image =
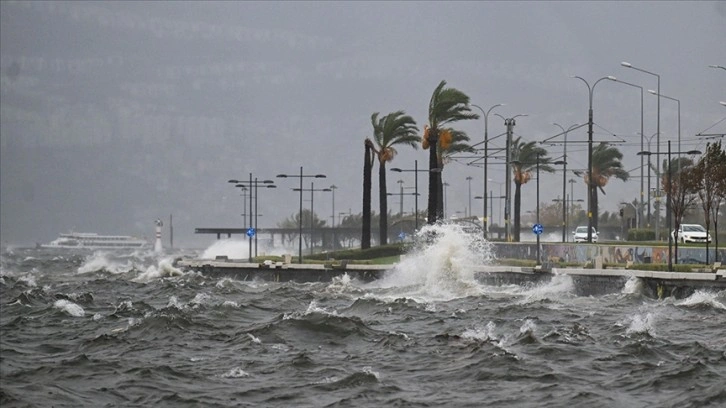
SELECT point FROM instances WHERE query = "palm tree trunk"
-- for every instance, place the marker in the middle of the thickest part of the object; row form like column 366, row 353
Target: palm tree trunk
column 365, row 241
column 383, row 201
column 517, row 210
column 433, row 179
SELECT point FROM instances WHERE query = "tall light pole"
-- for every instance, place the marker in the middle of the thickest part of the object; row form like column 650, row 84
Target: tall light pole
column 301, row 176
column 657, row 132
column 445, row 184
column 564, row 178
column 679, row 115
column 612, row 78
column 415, row 172
column 486, row 158
column 509, row 123
column 335, row 242
column 312, row 190
column 253, row 211
column 400, row 193
column 590, row 187
column 469, row 178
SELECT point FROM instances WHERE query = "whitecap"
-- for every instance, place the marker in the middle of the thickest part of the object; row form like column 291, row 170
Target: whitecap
column 702, row 298
column 642, row 324
column 69, row 307
column 163, row 269
column 236, row 373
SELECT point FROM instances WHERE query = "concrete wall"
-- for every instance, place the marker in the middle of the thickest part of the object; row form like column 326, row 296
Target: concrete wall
column 569, row 252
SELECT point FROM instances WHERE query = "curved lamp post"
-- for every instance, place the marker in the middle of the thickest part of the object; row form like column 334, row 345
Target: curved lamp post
column 657, row 132
column 486, row 158
column 590, row 188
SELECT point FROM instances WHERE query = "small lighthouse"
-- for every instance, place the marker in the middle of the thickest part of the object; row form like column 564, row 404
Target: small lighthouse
column 157, row 245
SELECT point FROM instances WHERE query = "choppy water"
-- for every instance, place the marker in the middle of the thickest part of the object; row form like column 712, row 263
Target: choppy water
column 111, row 330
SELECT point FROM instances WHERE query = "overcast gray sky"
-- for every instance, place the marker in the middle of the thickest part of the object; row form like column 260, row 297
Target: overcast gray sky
column 114, row 114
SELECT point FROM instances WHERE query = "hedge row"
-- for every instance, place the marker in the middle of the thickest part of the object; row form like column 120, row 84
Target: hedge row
column 361, row 254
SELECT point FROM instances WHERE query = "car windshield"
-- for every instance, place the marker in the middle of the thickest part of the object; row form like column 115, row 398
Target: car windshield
column 693, row 228
column 581, row 230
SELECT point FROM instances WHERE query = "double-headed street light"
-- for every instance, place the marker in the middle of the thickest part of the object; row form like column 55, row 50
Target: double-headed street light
column 668, row 198
column 312, row 189
column 301, row 176
column 486, row 158
column 249, row 185
column 590, row 187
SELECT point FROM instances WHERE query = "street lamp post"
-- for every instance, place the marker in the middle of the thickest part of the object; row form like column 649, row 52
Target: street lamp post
column 679, row 115
column 486, row 158
column 612, row 78
column 657, row 132
column 253, row 224
column 301, row 176
column 564, row 178
column 469, row 178
column 509, row 123
column 312, row 190
column 415, row 172
column 335, row 242
column 590, row 187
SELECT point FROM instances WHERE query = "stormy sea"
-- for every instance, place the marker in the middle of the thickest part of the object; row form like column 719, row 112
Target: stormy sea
column 129, row 329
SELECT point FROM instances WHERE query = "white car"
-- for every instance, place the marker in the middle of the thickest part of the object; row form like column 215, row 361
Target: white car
column 691, row 233
column 581, row 234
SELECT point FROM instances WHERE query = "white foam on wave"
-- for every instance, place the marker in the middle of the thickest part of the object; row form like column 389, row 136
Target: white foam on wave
column 69, row 307
column 701, row 298
column 633, row 286
column 312, row 308
column 236, row 373
column 154, row 272
column 101, row 261
column 641, row 324
column 440, row 268
column 555, row 289
column 240, row 249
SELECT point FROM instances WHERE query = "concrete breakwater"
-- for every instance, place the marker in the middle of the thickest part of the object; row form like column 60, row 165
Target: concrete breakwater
column 586, row 282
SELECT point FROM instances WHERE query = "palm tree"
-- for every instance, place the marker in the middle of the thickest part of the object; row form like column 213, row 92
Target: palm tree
column 451, row 143
column 605, row 164
column 525, row 157
column 447, row 105
column 365, row 240
column 396, row 128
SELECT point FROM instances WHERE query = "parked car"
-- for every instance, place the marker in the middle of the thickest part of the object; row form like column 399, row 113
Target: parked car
column 691, row 233
column 580, row 234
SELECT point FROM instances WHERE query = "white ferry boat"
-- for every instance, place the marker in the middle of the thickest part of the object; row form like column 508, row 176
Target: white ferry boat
column 89, row 240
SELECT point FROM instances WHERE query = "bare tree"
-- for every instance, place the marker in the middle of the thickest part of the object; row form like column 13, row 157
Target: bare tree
column 681, row 186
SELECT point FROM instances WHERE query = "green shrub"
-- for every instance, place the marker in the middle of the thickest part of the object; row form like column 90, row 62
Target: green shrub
column 641, row 234
column 361, row 254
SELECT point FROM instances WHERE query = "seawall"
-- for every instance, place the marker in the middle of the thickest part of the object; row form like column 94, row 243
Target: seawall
column 587, row 282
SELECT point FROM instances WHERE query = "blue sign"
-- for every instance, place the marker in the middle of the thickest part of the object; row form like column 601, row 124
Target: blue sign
column 251, row 232
column 402, row 236
column 537, row 229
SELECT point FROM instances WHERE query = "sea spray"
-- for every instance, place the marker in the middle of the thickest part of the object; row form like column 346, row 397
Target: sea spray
column 240, row 249
column 440, row 265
